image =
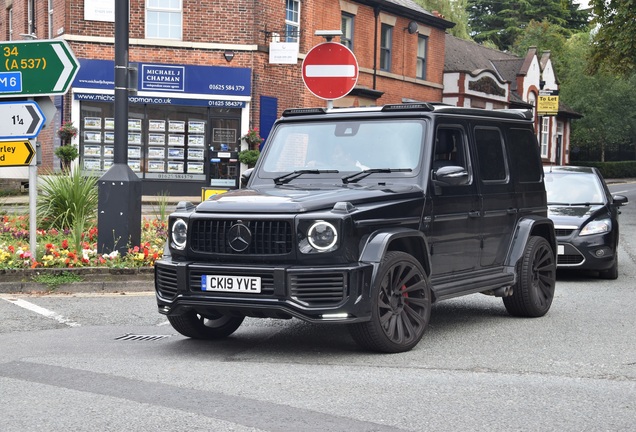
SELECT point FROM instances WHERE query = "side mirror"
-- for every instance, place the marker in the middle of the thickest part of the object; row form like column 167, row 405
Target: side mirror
column 245, row 177
column 451, row 176
column 619, row 200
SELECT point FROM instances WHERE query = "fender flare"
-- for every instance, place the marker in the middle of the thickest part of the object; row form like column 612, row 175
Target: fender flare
column 527, row 227
column 411, row 241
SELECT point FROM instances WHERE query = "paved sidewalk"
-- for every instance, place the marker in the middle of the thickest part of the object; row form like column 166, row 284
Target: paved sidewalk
column 94, row 280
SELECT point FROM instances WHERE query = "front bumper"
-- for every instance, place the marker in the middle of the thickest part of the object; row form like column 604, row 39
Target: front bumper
column 596, row 252
column 314, row 294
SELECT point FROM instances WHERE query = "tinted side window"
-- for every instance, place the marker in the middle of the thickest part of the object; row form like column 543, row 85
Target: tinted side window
column 524, row 152
column 490, row 151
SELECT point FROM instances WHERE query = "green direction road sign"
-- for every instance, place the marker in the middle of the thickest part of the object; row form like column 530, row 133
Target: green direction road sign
column 38, row 67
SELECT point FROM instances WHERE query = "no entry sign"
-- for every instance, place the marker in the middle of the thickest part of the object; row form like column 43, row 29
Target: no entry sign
column 330, row 70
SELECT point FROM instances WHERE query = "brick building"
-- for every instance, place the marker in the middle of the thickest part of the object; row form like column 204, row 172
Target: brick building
column 209, row 70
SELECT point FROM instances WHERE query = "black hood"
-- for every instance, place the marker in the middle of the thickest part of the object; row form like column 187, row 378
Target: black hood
column 304, row 198
column 574, row 215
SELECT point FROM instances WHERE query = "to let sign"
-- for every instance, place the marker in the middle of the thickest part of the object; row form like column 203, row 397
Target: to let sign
column 330, row 70
column 548, row 103
column 33, row 68
column 19, row 153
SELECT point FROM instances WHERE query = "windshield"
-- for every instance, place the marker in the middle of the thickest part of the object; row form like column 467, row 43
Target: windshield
column 573, row 188
column 338, row 148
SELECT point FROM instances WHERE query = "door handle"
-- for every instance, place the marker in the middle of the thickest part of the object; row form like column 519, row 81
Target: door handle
column 474, row 214
column 512, row 211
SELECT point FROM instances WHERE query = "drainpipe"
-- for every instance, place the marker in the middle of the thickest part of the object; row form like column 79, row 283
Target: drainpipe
column 376, row 13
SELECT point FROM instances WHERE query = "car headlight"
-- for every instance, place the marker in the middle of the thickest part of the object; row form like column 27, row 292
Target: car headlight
column 599, row 226
column 321, row 236
column 179, row 234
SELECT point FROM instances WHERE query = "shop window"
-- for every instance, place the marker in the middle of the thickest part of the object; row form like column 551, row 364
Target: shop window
column 164, row 19
column 386, row 41
column 347, row 31
column 292, row 20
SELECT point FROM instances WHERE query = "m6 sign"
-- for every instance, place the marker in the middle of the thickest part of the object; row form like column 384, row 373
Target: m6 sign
column 330, row 70
column 33, row 68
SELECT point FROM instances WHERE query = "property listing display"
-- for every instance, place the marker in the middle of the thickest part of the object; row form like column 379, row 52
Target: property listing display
column 161, row 144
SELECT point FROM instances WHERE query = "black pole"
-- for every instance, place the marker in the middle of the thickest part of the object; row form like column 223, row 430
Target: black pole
column 119, row 202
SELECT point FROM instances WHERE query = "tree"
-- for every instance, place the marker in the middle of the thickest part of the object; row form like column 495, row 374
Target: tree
column 454, row 11
column 544, row 36
column 607, row 102
column 504, row 21
column 613, row 44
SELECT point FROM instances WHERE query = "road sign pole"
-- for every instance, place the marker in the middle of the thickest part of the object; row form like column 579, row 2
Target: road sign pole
column 33, row 192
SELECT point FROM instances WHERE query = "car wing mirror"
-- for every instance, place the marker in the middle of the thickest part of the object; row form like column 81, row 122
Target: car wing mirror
column 245, row 177
column 451, row 176
column 619, row 200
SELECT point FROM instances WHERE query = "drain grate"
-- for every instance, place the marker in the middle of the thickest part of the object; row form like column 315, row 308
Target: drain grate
column 134, row 337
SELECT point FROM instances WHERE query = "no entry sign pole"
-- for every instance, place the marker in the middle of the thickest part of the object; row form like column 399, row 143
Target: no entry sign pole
column 330, row 71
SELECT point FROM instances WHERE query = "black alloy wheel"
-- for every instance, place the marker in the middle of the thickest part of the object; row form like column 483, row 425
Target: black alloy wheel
column 401, row 306
column 533, row 293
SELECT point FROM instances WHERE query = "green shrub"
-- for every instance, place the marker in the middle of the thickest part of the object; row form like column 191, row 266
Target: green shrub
column 613, row 170
column 249, row 157
column 67, row 201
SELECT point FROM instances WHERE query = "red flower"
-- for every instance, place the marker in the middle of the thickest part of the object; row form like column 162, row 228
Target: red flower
column 65, row 244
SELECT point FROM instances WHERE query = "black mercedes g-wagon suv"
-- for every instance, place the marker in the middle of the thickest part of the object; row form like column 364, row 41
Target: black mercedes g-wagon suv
column 365, row 217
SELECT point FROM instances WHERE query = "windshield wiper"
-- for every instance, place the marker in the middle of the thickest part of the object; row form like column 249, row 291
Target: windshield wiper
column 352, row 178
column 286, row 178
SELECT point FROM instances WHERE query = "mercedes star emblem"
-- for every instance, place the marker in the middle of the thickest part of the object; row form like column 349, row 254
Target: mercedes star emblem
column 239, row 237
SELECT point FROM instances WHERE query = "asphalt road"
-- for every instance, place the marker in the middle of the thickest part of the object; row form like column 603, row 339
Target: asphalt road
column 110, row 362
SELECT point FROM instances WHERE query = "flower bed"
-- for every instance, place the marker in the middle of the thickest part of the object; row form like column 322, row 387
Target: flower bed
column 54, row 250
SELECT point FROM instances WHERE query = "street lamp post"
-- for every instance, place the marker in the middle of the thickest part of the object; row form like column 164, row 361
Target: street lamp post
column 119, row 189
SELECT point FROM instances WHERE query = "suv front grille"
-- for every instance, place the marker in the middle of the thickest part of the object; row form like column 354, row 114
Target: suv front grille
column 268, row 237
column 320, row 289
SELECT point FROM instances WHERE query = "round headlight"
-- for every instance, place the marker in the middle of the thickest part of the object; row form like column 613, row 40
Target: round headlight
column 179, row 234
column 322, row 235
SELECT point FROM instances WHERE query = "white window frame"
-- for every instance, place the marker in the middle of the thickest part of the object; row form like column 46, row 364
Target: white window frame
column 290, row 24
column 154, row 9
column 545, row 136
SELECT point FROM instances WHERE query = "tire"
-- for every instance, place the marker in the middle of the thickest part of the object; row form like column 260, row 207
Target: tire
column 533, row 293
column 196, row 326
column 612, row 272
column 401, row 306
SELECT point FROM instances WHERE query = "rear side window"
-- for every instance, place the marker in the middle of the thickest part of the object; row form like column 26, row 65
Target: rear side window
column 491, row 154
column 524, row 153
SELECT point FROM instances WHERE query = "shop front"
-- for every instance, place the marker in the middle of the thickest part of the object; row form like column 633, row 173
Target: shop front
column 184, row 124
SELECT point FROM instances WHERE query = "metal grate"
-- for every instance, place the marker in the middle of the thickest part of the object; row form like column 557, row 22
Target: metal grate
column 268, row 237
column 133, row 337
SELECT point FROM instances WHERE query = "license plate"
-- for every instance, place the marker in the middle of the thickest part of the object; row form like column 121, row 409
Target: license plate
column 243, row 284
column 560, row 250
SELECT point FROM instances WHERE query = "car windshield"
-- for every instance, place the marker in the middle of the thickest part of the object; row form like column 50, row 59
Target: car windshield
column 340, row 148
column 573, row 188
